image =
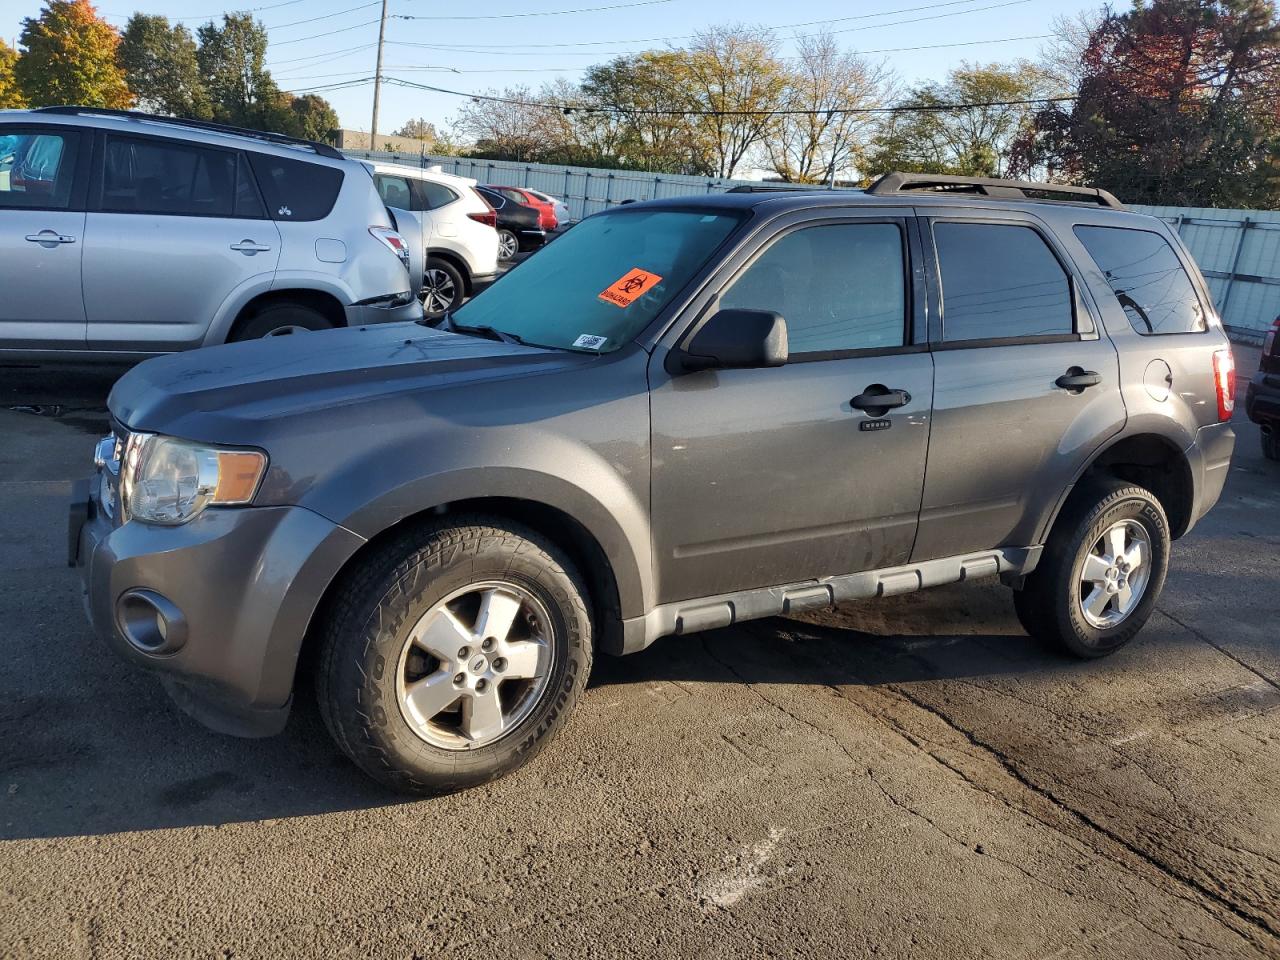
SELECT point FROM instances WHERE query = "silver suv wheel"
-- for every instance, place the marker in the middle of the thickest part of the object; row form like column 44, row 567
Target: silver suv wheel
column 475, row 665
column 1115, row 574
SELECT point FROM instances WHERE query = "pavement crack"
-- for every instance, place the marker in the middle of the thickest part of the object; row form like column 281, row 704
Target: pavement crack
column 1200, row 634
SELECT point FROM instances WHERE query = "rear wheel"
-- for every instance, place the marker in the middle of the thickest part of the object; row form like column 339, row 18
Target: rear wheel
column 1101, row 572
column 442, row 288
column 454, row 654
column 1271, row 442
column 508, row 245
column 281, row 320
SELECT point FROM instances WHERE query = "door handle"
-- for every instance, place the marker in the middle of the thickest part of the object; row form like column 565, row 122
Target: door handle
column 250, row 247
column 50, row 237
column 1077, row 379
column 877, row 400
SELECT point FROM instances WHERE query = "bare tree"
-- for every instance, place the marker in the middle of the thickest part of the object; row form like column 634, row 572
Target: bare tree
column 736, row 82
column 506, row 124
column 823, row 80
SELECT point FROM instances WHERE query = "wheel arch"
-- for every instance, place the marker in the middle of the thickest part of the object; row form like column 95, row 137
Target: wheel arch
column 322, row 301
column 455, row 260
column 1151, row 460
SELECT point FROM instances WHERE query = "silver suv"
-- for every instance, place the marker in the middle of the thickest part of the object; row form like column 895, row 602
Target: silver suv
column 681, row 415
column 128, row 233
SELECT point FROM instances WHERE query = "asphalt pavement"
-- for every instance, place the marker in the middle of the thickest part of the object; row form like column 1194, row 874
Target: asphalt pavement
column 910, row 777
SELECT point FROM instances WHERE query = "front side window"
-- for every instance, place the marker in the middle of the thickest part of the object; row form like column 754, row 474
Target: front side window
column 1147, row 277
column 143, row 175
column 603, row 282
column 1000, row 281
column 838, row 287
column 37, row 168
column 296, row 189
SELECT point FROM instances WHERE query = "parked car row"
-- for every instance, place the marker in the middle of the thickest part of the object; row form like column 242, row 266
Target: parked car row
column 133, row 234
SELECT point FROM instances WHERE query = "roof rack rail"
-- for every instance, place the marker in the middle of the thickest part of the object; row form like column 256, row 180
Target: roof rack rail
column 778, row 187
column 892, row 184
column 321, row 149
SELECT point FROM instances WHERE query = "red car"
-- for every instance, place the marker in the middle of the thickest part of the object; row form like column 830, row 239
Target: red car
column 546, row 212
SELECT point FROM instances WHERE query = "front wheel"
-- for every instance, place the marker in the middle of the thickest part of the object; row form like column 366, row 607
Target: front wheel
column 1101, row 573
column 454, row 654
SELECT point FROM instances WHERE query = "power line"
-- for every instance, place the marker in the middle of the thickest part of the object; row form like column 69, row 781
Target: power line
column 335, row 54
column 543, row 13
column 330, row 33
column 327, row 16
column 480, row 47
column 569, row 108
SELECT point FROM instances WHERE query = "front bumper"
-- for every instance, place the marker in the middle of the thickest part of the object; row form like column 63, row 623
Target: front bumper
column 1262, row 398
column 238, row 586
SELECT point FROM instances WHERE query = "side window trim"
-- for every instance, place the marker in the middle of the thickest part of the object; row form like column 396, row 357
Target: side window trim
column 98, row 185
column 915, row 296
column 1084, row 325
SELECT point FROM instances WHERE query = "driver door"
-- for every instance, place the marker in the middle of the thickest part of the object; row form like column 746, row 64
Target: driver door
column 763, row 477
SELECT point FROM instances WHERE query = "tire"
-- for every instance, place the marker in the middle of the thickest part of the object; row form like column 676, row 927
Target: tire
column 282, row 319
column 1052, row 602
column 375, row 675
column 508, row 245
column 1271, row 442
column 442, row 288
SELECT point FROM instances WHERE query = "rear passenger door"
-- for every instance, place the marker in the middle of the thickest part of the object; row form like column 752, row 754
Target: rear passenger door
column 764, row 477
column 173, row 229
column 1026, row 384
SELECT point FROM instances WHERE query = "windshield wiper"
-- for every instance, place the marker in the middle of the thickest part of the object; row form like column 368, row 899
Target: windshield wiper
column 493, row 333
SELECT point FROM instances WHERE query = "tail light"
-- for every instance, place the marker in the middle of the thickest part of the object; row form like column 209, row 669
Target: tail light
column 490, row 217
column 1224, row 381
column 393, row 242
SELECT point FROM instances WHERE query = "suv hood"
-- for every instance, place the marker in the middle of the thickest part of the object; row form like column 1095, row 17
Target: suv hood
column 218, row 394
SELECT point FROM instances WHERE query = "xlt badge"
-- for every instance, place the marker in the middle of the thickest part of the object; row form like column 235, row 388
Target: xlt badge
column 869, row 425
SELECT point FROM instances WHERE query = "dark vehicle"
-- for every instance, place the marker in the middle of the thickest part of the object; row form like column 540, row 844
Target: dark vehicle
column 682, row 415
column 519, row 225
column 546, row 209
column 1262, row 399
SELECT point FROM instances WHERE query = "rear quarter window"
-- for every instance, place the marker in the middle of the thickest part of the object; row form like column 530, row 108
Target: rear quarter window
column 296, row 190
column 1147, row 279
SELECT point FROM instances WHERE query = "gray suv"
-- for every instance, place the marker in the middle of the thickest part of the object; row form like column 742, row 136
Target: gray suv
column 126, row 233
column 682, row 415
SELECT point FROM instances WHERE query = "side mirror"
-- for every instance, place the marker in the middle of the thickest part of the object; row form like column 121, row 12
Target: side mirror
column 737, row 339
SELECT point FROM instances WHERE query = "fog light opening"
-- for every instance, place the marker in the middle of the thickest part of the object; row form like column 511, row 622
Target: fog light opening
column 151, row 623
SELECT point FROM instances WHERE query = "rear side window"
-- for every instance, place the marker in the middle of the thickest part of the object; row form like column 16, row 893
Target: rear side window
column 435, row 195
column 145, row 175
column 296, row 189
column 394, row 191
column 839, row 287
column 1000, row 281
column 37, row 168
column 1148, row 279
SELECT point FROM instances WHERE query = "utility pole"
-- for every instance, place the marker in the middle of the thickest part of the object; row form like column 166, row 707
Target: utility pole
column 377, row 79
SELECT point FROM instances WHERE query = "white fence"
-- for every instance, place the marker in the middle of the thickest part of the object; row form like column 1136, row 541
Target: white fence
column 1237, row 250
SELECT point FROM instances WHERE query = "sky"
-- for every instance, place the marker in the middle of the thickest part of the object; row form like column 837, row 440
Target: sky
column 501, row 43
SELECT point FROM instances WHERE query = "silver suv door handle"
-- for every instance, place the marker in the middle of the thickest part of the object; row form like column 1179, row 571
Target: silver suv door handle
column 250, row 247
column 50, row 237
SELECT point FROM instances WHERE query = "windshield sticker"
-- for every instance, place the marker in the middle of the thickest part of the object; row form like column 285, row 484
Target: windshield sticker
column 590, row 341
column 629, row 288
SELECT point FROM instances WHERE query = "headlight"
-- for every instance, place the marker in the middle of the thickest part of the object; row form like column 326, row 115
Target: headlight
column 170, row 481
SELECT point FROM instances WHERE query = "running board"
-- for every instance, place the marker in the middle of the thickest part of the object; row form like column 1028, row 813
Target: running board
column 709, row 613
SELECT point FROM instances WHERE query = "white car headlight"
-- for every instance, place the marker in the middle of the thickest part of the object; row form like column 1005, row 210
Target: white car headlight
column 163, row 480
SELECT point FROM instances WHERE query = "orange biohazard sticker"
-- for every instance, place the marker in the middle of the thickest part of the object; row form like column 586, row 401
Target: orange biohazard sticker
column 629, row 288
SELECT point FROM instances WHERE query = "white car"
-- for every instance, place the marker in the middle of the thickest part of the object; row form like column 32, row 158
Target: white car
column 562, row 211
column 458, row 231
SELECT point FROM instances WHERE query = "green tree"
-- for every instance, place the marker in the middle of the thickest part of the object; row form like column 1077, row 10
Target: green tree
column 10, row 95
column 69, row 57
column 231, row 60
column 978, row 140
column 310, row 116
column 159, row 63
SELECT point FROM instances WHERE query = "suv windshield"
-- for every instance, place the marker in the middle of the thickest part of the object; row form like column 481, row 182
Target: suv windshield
column 601, row 283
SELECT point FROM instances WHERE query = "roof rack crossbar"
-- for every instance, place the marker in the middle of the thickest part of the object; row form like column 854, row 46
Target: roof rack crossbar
column 778, row 187
column 321, row 149
column 892, row 184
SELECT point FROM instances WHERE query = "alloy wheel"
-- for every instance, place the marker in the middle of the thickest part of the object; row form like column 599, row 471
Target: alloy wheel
column 1115, row 574
column 475, row 665
column 508, row 245
column 438, row 291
